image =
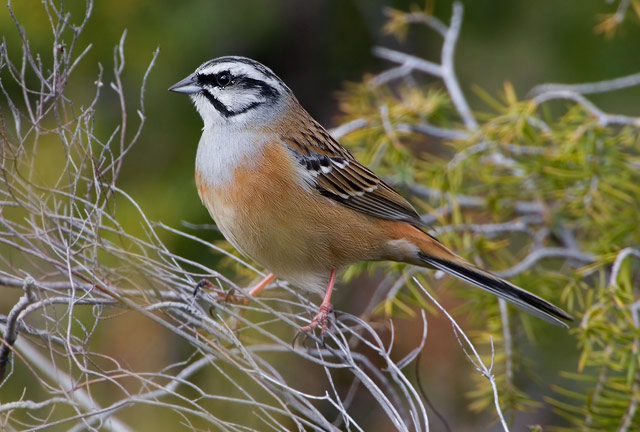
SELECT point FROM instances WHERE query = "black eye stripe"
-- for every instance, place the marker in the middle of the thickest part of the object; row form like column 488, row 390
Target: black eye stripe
column 221, row 79
column 206, row 79
column 259, row 67
column 225, row 79
column 266, row 90
column 214, row 80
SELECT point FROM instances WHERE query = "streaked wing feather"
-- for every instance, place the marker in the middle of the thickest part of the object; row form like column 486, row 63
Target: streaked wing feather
column 339, row 176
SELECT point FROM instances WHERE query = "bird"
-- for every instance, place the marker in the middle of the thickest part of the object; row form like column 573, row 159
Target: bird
column 287, row 195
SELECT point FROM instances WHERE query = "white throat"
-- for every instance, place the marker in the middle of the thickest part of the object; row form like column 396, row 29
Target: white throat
column 223, row 149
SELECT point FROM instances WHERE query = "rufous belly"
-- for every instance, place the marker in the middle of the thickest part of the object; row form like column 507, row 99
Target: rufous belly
column 269, row 214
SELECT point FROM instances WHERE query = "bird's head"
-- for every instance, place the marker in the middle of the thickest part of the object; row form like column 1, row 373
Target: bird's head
column 235, row 90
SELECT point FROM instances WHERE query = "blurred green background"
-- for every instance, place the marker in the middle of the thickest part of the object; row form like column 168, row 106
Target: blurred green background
column 314, row 46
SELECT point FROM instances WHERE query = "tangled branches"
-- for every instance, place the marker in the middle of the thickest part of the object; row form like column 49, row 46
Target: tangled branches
column 73, row 265
column 76, row 264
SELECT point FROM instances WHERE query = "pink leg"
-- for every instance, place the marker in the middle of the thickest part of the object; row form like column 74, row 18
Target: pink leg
column 261, row 285
column 325, row 308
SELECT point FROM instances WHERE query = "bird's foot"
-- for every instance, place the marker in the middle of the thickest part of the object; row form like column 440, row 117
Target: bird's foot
column 221, row 296
column 319, row 320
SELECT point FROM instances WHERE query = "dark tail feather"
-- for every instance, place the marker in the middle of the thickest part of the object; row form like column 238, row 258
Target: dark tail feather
column 501, row 288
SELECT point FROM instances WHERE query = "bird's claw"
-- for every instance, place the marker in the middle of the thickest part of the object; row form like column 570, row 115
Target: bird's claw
column 221, row 296
column 321, row 320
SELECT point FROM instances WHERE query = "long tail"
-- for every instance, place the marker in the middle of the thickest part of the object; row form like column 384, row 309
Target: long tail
column 434, row 254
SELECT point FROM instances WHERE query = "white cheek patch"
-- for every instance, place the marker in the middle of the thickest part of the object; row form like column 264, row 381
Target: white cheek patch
column 236, row 101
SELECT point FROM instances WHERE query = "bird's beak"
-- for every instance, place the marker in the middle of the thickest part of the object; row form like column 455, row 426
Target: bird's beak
column 187, row 85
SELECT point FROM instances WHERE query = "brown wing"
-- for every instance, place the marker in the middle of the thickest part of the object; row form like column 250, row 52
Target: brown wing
column 337, row 175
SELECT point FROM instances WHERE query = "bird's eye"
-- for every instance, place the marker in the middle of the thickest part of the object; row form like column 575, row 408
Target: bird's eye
column 224, row 79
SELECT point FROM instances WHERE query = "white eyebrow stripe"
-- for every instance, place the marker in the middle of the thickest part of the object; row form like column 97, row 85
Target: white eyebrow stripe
column 239, row 67
column 234, row 68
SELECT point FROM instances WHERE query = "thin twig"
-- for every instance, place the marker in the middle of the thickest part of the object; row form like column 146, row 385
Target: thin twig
column 13, row 324
column 603, row 118
column 476, row 360
column 589, row 88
